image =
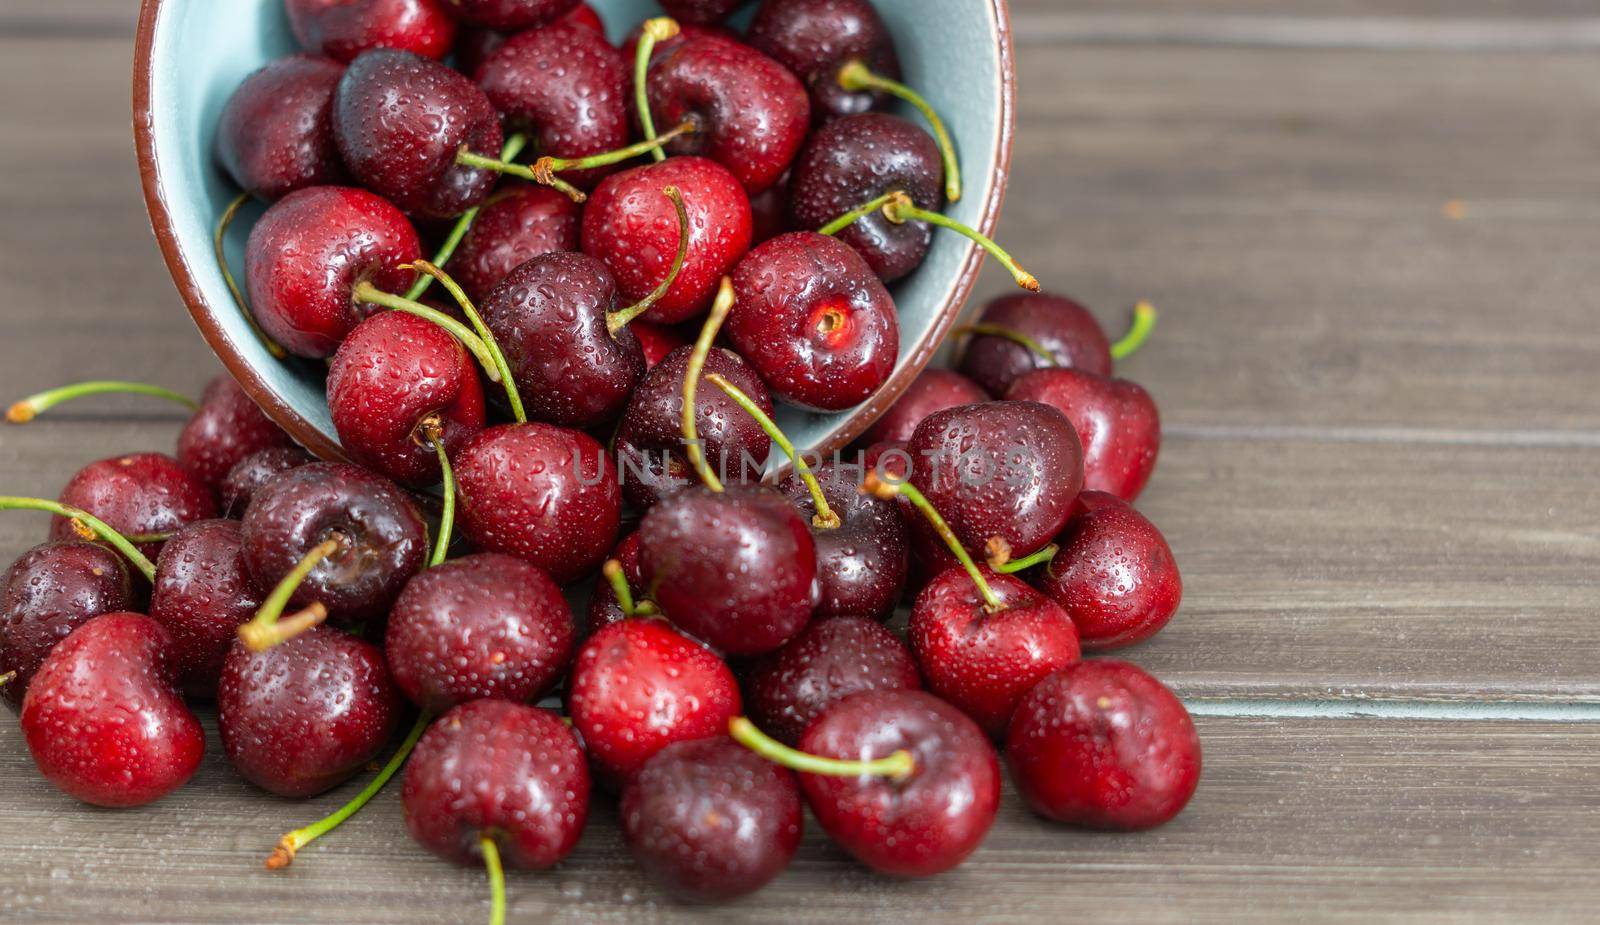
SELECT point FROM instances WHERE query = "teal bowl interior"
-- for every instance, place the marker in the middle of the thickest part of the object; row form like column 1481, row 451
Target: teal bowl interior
column 191, row 54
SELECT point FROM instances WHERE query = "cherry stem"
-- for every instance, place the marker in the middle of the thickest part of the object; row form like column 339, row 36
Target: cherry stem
column 83, row 521
column 544, row 170
column 31, row 407
column 825, row 518
column 513, row 396
column 283, row 855
column 433, row 434
column 901, row 209
column 217, row 239
column 691, row 382
column 1000, row 560
column 897, row 766
column 862, row 211
column 1016, row 337
column 1144, row 321
column 513, row 147
column 617, row 320
column 874, row 484
column 612, row 571
column 266, row 630
column 856, row 77
column 653, row 31
column 7, row 678
column 497, row 879
column 372, row 295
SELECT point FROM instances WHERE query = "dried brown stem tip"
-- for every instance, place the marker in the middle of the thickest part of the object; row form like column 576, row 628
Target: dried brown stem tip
column 998, row 552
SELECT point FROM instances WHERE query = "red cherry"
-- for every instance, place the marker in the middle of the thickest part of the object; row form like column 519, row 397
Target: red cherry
column 476, row 43
column 831, row 659
column 141, row 494
column 514, row 226
column 202, row 594
column 1104, row 745
column 275, row 134
column 103, row 717
column 816, row 38
column 228, row 427
column 1054, row 324
column 1116, row 419
column 53, row 589
column 686, row 31
column 604, row 608
column 700, row 11
column 343, row 29
column 250, row 473
column 933, row 390
column 656, row 341
column 513, row 15
column 863, row 560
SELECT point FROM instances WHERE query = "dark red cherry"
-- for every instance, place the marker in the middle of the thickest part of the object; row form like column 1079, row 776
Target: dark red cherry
column 634, row 229
column 475, row 43
column 400, row 120
column 141, row 494
column 686, row 32
column 250, row 473
column 1105, row 746
column 103, row 717
column 814, row 321
column 544, row 494
column 306, row 254
column 638, row 686
column 816, row 38
column 710, row 820
column 657, row 341
column 749, row 113
column 380, row 538
column 861, row 563
column 831, row 659
column 1116, row 419
column 53, row 589
column 736, row 568
column 920, row 826
column 228, row 427
column 482, row 626
column 769, row 212
column 514, row 226
column 512, row 15
column 343, row 29
column 933, row 390
column 1059, row 327
column 202, row 595
column 604, row 609
column 275, row 134
column 1114, row 574
column 700, row 11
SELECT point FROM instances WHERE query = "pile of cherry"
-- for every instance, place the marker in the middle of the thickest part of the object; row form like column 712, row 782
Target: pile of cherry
column 734, row 661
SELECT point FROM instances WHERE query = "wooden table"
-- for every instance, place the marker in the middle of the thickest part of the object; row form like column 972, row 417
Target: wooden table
column 1372, row 227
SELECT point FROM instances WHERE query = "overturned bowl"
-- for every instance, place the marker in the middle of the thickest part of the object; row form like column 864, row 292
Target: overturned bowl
column 191, row 54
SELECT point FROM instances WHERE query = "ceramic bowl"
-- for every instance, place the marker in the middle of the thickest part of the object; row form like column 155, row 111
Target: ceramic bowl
column 191, row 54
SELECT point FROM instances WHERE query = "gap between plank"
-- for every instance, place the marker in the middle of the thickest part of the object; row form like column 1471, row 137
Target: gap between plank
column 1552, row 439
column 1376, row 33
column 1395, row 709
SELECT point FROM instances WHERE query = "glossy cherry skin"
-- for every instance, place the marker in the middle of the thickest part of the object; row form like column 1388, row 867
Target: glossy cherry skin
column 549, row 317
column 567, row 87
column 202, row 594
column 817, row 38
column 603, row 606
column 514, row 226
column 544, row 494
column 982, row 662
column 737, row 568
column 250, row 473
column 933, row 390
column 1116, row 419
column 306, row 255
column 831, row 659
column 228, row 427
column 1105, row 746
column 750, row 114
column 649, row 441
column 638, row 686
column 710, row 820
column 918, row 827
column 343, row 29
column 1061, row 326
column 482, row 626
column 657, row 341
column 382, row 538
column 53, row 589
column 506, row 770
column 1114, row 574
column 862, row 563
column 512, row 15
column 854, row 160
column 475, row 43
column 103, row 717
column 700, row 11
column 631, row 226
column 687, row 31
column 136, row 495
column 400, row 121
column 275, row 134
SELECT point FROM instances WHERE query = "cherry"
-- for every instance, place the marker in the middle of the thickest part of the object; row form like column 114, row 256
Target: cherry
column 476, row 43
column 749, row 113
column 103, row 718
column 514, row 226
column 634, row 229
column 1104, row 745
column 513, row 15
column 307, row 255
column 227, row 427
column 933, row 390
column 482, row 626
column 1018, row 333
column 831, row 659
column 541, row 493
column 53, row 589
column 817, row 38
column 605, row 607
column 250, row 473
column 202, row 594
column 710, row 820
column 814, row 321
column 361, row 533
column 862, row 562
column 343, row 29
column 138, row 495
column 1115, row 575
column 302, row 716
column 275, row 134
column 1116, row 419
column 638, row 686
column 656, row 341
column 769, row 212
column 665, row 37
column 400, row 120
column 701, row 11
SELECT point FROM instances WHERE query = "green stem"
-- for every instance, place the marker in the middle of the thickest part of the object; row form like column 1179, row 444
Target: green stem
column 901, row 209
column 283, row 855
column 31, row 407
column 886, row 488
column 897, row 766
column 372, row 295
column 825, row 518
column 265, row 630
column 655, row 30
column 612, row 571
column 434, row 434
column 654, row 145
column 513, row 147
column 217, row 239
column 1016, row 337
column 862, row 211
column 513, row 396
column 7, row 678
column 1144, row 321
column 497, row 879
column 617, row 320
column 99, row 527
column 1011, row 566
column 499, row 165
column 691, row 381
column 858, row 78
